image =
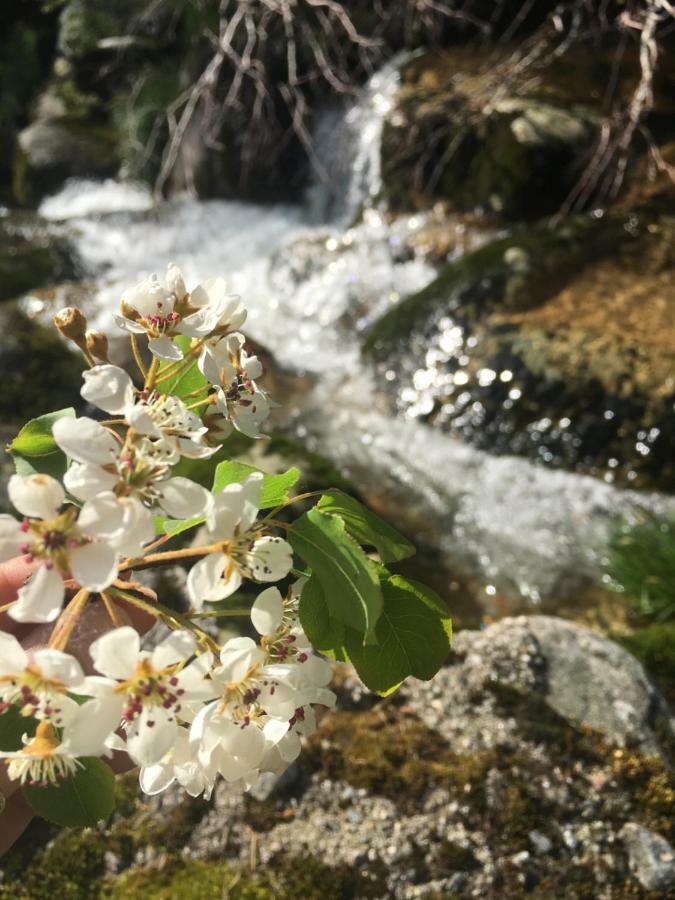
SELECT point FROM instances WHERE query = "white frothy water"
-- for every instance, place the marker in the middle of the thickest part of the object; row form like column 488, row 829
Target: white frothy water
column 310, row 284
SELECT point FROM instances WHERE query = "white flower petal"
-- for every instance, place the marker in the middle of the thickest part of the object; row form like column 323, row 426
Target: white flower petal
column 274, row 730
column 108, row 387
column 39, row 600
column 181, row 498
column 94, row 565
column 267, row 611
column 86, row 481
column 115, row 653
column 122, row 521
column 39, row 496
column 164, row 348
column 87, row 733
column 59, row 666
column 157, row 778
column 13, row 658
column 205, row 581
column 175, row 281
column 139, row 419
column 174, row 648
column 151, row 736
column 271, row 559
column 149, row 298
column 102, row 517
column 128, row 324
column 237, row 658
column 85, row 440
column 251, row 488
column 225, row 510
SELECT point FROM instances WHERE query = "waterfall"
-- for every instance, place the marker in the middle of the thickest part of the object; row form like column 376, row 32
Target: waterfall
column 347, row 148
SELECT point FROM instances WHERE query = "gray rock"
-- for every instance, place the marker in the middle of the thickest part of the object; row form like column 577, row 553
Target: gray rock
column 540, row 842
column 650, row 857
column 55, row 149
column 583, row 676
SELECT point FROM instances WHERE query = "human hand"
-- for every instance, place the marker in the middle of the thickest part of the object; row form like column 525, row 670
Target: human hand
column 15, row 815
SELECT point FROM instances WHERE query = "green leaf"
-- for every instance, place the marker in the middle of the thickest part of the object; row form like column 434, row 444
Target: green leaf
column 185, row 381
column 35, row 438
column 81, row 801
column 323, row 631
column 347, row 577
column 35, row 450
column 413, row 637
column 367, row 528
column 13, row 726
column 274, row 492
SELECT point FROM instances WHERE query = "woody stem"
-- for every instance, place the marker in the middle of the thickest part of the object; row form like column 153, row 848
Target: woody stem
column 137, row 356
column 67, row 621
column 170, row 617
column 168, row 556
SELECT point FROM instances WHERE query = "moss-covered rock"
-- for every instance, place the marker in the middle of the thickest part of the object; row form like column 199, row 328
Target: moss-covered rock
column 31, row 255
column 51, row 150
column 556, row 344
column 466, row 143
column 472, row 128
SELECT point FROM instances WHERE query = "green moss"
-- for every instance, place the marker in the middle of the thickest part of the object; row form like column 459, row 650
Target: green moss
column 396, row 756
column 284, row 878
column 642, row 566
column 68, row 868
column 654, row 646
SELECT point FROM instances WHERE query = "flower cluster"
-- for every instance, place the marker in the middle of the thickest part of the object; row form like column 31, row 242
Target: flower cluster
column 186, row 710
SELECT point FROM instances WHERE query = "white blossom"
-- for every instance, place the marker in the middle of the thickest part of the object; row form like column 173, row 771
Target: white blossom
column 49, row 757
column 37, row 683
column 246, row 551
column 162, row 313
column 153, row 689
column 63, row 542
column 240, row 402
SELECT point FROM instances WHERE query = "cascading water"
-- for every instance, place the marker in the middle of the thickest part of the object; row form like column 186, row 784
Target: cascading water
column 311, row 282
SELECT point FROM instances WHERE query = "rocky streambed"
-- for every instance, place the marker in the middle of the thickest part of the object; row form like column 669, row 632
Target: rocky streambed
column 535, row 764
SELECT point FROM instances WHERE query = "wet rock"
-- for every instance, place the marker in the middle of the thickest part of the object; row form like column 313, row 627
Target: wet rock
column 52, row 150
column 553, row 344
column 32, row 254
column 650, row 857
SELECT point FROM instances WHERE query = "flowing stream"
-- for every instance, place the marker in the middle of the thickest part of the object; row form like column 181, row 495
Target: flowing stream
column 311, row 283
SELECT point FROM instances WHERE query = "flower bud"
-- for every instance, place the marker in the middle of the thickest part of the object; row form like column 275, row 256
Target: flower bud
column 175, row 282
column 72, row 324
column 97, row 345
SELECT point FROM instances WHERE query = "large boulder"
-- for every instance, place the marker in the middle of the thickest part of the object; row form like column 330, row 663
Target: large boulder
column 556, row 344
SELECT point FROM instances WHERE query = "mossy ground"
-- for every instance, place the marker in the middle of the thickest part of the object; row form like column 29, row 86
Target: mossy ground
column 539, row 783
